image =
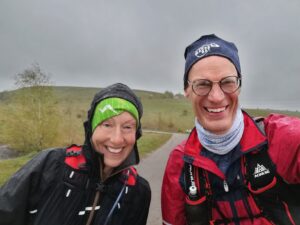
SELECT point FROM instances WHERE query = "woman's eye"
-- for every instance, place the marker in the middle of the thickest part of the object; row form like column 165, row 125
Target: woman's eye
column 129, row 127
column 106, row 124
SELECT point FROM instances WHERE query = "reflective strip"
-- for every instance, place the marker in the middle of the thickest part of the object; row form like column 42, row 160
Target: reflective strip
column 90, row 208
column 119, row 206
column 81, row 213
column 166, row 223
column 226, row 187
column 68, row 193
column 126, row 190
column 71, row 174
column 33, row 211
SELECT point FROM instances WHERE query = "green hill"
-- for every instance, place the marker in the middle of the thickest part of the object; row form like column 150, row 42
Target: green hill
column 162, row 111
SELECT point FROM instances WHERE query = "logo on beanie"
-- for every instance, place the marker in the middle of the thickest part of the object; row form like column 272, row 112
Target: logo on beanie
column 205, row 49
column 107, row 107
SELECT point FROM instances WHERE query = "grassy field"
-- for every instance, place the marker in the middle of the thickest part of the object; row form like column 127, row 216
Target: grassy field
column 10, row 166
column 146, row 144
column 161, row 112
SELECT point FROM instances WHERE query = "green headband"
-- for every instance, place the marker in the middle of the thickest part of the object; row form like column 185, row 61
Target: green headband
column 111, row 107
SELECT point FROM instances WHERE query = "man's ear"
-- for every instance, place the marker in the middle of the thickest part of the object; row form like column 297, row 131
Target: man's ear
column 187, row 92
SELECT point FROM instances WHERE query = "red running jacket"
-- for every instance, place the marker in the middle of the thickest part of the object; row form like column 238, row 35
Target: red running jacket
column 282, row 133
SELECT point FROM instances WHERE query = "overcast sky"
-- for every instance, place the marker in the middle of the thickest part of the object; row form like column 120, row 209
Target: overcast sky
column 141, row 42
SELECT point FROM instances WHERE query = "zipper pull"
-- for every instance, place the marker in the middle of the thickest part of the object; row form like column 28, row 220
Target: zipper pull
column 226, row 187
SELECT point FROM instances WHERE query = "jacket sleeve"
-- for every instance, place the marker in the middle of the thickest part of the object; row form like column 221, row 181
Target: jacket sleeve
column 283, row 133
column 19, row 195
column 172, row 194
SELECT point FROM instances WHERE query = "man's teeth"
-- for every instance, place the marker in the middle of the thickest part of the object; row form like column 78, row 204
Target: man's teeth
column 114, row 150
column 216, row 110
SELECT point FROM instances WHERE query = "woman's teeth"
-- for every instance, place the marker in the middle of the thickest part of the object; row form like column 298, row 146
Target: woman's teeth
column 114, row 150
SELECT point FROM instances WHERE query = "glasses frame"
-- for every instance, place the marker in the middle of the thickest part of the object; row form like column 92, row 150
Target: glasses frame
column 192, row 83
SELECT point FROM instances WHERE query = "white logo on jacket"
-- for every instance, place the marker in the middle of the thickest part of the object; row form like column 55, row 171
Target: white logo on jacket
column 260, row 170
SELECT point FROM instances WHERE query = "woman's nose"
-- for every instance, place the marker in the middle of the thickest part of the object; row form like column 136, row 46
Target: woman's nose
column 117, row 136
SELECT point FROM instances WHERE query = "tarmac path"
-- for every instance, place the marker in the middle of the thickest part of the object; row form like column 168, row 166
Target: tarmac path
column 6, row 153
column 152, row 168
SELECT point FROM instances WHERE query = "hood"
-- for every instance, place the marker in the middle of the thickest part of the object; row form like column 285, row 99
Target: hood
column 116, row 90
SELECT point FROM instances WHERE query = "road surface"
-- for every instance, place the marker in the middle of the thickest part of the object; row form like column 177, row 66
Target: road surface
column 6, row 153
column 152, row 168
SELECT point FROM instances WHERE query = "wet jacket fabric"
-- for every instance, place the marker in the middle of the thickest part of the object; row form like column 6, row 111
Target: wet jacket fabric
column 232, row 199
column 48, row 191
column 64, row 186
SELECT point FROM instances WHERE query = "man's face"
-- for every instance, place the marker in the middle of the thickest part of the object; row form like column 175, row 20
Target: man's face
column 216, row 110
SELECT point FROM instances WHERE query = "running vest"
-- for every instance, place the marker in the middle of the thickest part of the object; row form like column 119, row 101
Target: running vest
column 270, row 193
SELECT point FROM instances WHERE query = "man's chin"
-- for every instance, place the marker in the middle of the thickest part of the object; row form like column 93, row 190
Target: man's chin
column 217, row 127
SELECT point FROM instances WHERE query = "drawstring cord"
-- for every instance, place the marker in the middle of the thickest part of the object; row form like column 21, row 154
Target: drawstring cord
column 93, row 208
column 117, row 200
column 89, row 221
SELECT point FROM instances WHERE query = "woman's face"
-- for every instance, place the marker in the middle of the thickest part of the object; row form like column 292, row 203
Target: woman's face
column 115, row 138
column 216, row 110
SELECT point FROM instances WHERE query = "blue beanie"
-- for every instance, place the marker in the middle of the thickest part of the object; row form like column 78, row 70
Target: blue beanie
column 209, row 45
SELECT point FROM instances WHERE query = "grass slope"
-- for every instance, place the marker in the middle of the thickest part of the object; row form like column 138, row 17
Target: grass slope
column 161, row 112
column 146, row 144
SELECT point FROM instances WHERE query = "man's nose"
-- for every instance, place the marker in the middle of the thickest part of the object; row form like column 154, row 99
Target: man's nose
column 216, row 93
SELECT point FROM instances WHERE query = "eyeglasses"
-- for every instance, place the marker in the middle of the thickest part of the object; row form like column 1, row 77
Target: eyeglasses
column 228, row 85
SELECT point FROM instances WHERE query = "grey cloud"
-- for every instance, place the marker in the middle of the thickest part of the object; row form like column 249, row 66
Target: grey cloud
column 94, row 43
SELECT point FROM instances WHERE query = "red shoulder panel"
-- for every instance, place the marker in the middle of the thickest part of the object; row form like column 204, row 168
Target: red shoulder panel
column 74, row 157
column 131, row 176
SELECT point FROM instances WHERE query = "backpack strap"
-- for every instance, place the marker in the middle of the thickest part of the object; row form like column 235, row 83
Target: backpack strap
column 130, row 176
column 74, row 157
column 196, row 202
column 260, row 171
column 259, row 121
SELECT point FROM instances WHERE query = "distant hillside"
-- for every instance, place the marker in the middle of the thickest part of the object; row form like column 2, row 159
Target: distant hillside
column 162, row 111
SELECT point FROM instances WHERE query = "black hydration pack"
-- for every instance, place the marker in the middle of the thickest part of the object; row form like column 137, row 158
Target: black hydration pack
column 271, row 193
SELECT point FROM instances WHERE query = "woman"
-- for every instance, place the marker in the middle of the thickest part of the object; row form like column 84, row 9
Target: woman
column 91, row 184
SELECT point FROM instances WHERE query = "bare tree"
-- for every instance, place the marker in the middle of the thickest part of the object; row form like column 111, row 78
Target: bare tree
column 32, row 77
column 33, row 119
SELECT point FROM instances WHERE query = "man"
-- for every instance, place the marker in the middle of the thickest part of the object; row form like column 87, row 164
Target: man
column 232, row 169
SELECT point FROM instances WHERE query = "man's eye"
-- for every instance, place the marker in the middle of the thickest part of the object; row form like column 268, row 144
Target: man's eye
column 202, row 84
column 228, row 82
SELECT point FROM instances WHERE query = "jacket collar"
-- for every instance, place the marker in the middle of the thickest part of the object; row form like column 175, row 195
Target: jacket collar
column 252, row 139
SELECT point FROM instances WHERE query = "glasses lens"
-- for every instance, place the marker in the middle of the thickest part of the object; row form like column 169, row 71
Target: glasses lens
column 202, row 87
column 230, row 84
